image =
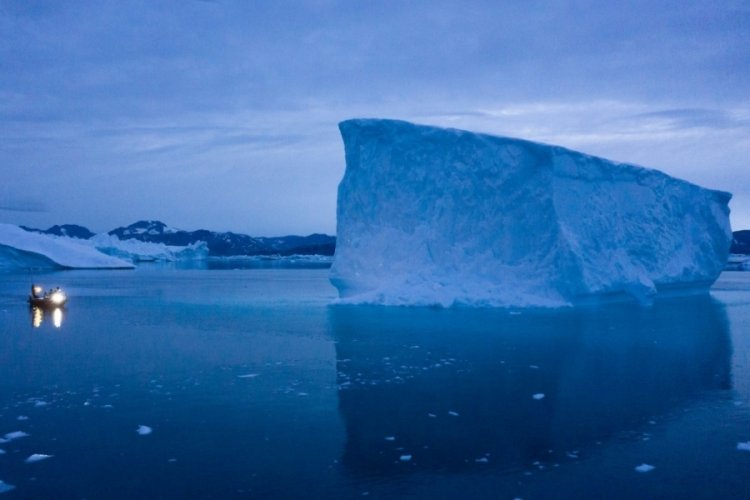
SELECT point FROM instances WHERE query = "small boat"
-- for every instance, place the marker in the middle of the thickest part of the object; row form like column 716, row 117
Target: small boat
column 47, row 300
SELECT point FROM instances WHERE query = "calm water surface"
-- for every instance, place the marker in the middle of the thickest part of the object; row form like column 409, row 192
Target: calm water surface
column 254, row 386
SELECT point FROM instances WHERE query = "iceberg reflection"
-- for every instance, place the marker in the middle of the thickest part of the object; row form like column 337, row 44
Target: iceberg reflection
column 459, row 389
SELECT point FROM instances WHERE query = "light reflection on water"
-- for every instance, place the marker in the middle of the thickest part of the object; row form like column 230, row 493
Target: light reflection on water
column 54, row 314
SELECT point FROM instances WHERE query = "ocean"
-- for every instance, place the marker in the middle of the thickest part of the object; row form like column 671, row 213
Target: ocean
column 252, row 383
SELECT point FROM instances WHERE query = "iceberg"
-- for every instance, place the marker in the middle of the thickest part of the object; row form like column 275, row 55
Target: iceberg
column 21, row 249
column 431, row 216
column 137, row 251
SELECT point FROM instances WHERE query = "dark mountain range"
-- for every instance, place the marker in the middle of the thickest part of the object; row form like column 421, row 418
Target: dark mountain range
column 233, row 244
column 224, row 244
column 741, row 242
column 69, row 230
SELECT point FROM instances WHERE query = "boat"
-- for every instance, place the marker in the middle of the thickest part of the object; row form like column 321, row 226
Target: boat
column 47, row 300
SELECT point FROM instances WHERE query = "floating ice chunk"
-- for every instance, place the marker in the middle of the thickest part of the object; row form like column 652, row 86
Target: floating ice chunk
column 144, row 430
column 5, row 487
column 37, row 457
column 744, row 446
column 390, row 438
column 248, row 375
column 430, row 216
column 405, row 458
column 22, row 417
column 482, row 460
column 538, row 396
column 453, row 413
column 645, row 468
column 432, row 415
column 15, row 435
column 2, row 452
column 40, row 403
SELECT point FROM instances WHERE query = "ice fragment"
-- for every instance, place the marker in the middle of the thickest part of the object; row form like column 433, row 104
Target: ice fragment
column 144, row 430
column 37, row 457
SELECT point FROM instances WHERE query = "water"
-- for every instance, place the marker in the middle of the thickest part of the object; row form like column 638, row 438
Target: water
column 253, row 386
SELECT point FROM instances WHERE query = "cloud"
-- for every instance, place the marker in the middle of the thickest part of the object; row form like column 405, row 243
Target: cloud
column 677, row 119
column 103, row 98
column 24, row 206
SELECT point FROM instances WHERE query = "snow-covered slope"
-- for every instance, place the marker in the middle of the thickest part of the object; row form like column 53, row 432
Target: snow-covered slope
column 21, row 249
column 441, row 216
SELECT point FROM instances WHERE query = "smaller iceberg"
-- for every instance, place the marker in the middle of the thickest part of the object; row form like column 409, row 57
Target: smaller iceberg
column 21, row 249
column 137, row 251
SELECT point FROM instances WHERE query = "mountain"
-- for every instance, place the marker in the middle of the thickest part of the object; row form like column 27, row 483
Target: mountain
column 224, row 244
column 69, row 230
column 741, row 242
column 227, row 243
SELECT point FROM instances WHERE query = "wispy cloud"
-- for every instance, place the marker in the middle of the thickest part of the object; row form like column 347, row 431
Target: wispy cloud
column 24, row 206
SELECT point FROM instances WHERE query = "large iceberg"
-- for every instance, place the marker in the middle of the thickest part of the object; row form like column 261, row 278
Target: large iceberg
column 21, row 249
column 431, row 216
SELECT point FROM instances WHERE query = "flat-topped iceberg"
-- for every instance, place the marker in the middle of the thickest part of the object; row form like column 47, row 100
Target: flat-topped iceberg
column 430, row 216
column 21, row 249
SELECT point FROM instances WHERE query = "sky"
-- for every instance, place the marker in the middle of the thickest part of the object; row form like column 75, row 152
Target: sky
column 223, row 114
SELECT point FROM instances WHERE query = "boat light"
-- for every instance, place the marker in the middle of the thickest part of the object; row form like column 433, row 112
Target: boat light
column 57, row 298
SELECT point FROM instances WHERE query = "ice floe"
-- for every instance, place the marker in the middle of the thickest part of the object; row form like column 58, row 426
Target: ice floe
column 144, row 430
column 5, row 487
column 645, row 468
column 538, row 396
column 744, row 446
column 14, row 435
column 37, row 457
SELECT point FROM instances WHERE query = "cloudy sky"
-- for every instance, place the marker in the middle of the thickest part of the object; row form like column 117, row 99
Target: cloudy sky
column 223, row 114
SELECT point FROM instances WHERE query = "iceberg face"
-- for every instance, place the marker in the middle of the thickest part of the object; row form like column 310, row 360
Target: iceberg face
column 430, row 216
